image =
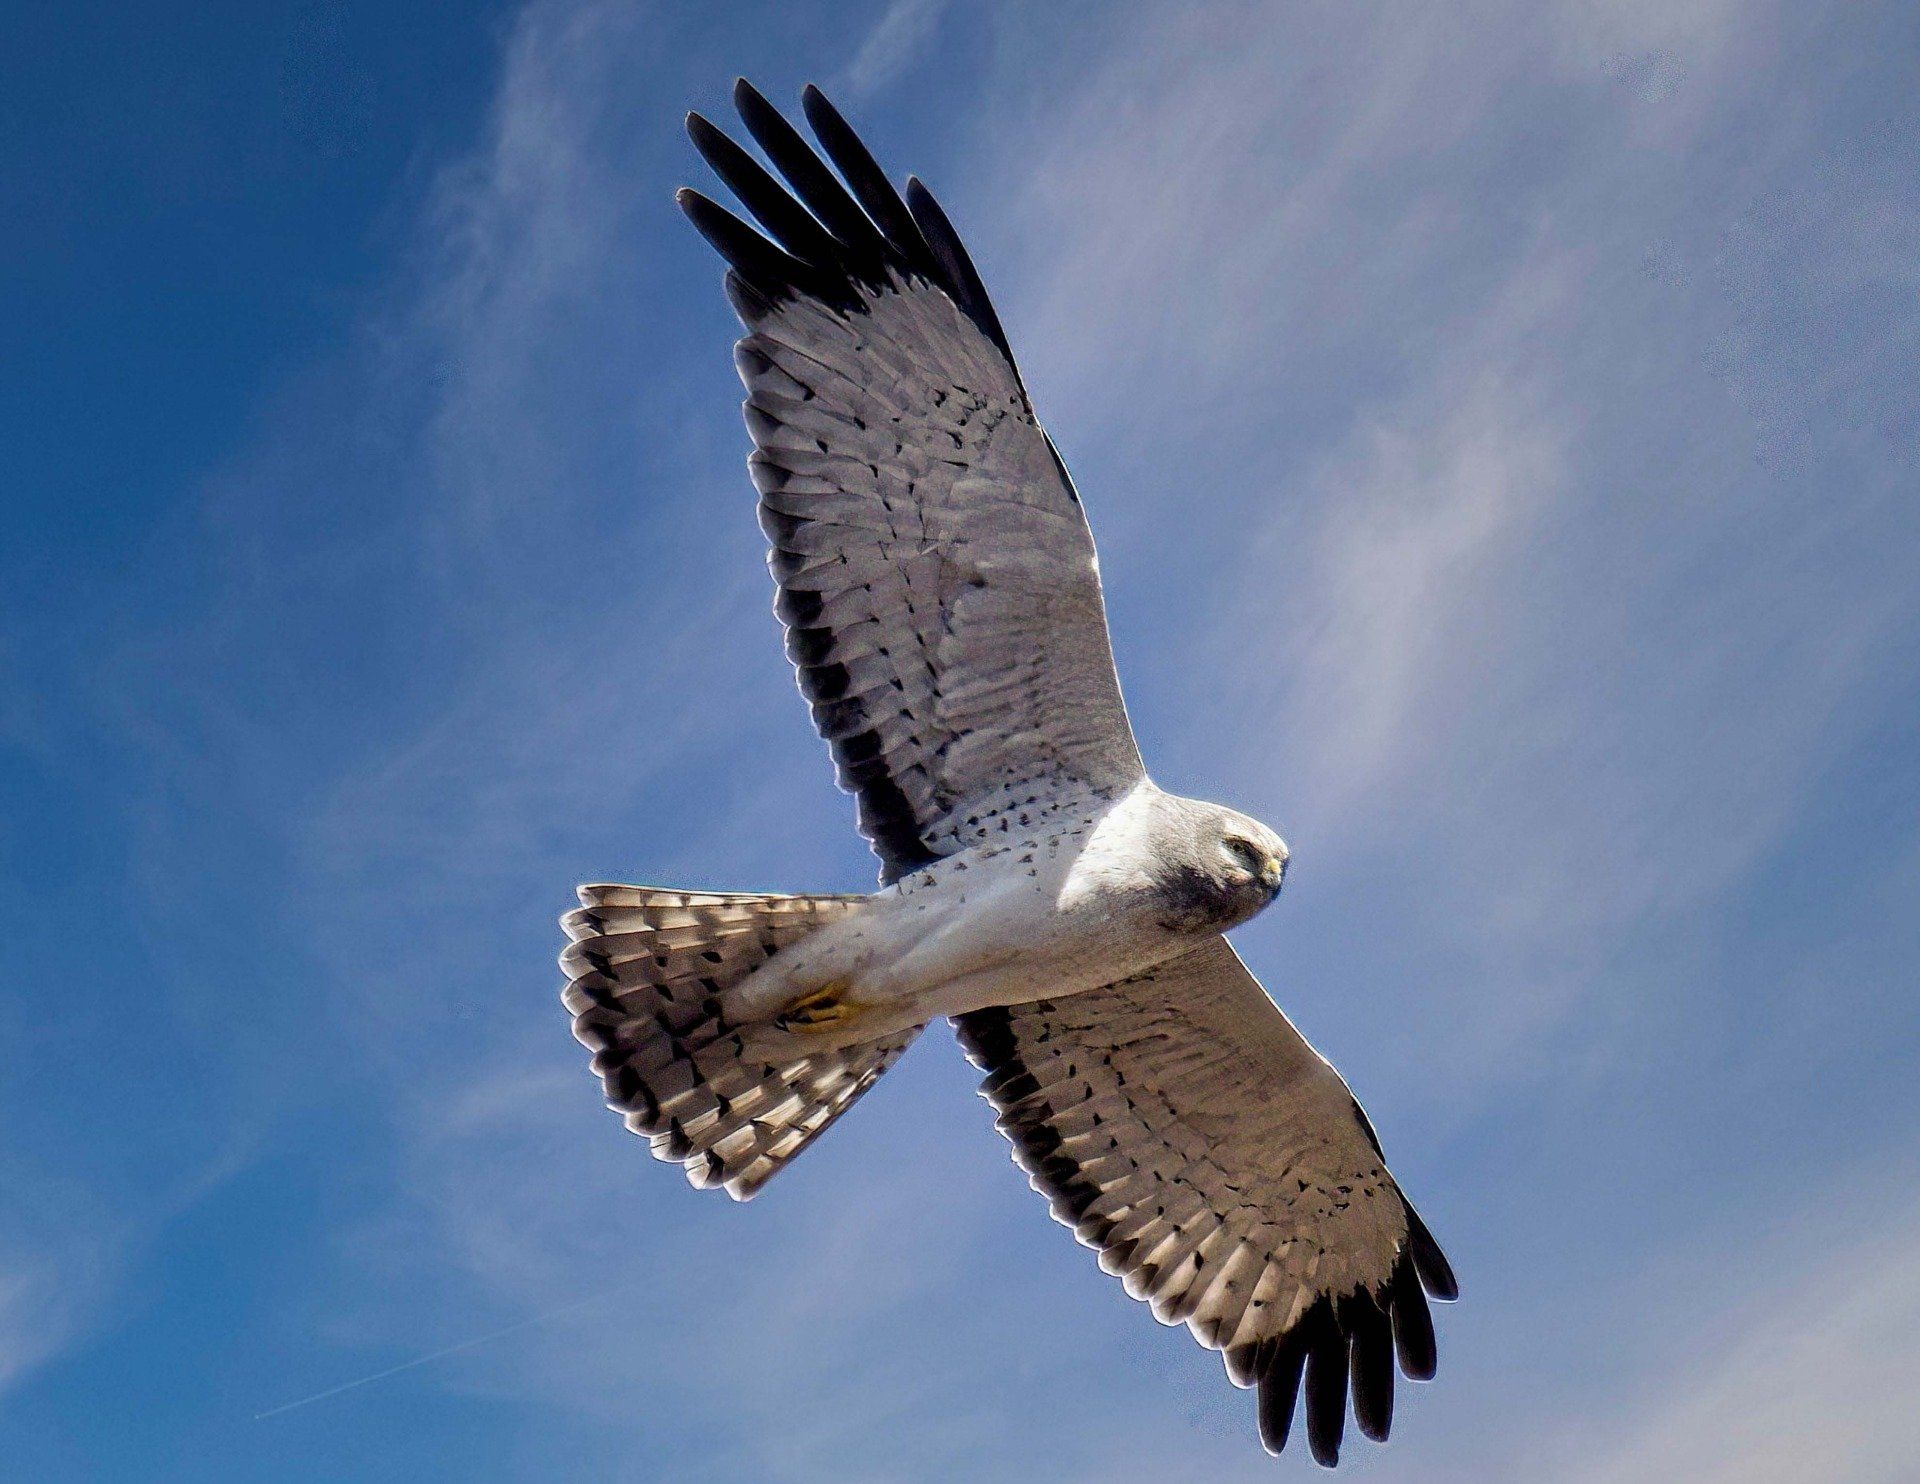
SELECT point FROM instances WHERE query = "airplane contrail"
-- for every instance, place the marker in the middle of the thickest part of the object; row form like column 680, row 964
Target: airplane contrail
column 432, row 1355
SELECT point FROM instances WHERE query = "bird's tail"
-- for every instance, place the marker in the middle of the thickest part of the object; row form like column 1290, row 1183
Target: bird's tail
column 648, row 975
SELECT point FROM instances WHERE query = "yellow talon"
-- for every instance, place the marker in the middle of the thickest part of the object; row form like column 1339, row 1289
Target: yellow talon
column 817, row 1010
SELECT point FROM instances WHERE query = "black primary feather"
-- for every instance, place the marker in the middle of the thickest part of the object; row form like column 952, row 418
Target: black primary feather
column 869, row 182
column 785, row 219
column 1371, row 1365
column 1436, row 1274
column 1326, row 1384
column 1284, row 1358
column 763, row 266
column 1412, row 1323
column 848, row 229
column 864, row 250
column 950, row 253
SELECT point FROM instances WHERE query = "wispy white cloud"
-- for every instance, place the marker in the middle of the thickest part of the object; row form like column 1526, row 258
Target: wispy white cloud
column 1671, row 63
column 1411, row 389
column 794, row 1309
column 905, row 30
column 1807, row 1383
column 622, row 725
column 53, row 1286
column 1425, row 507
column 1400, row 369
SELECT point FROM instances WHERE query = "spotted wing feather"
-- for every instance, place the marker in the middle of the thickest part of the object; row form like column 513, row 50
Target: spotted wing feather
column 1182, row 1126
column 935, row 572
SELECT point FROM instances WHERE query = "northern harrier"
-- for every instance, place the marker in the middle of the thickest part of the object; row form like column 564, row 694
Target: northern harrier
column 937, row 582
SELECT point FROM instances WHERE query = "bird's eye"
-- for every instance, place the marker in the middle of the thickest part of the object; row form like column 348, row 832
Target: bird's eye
column 1245, row 852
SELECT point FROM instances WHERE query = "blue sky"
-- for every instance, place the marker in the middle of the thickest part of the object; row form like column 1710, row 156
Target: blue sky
column 1499, row 425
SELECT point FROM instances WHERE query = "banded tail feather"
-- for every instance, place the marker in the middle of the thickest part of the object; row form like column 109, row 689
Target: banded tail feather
column 649, row 972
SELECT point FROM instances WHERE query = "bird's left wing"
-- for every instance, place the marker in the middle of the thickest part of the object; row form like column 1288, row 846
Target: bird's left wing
column 1182, row 1126
column 937, row 577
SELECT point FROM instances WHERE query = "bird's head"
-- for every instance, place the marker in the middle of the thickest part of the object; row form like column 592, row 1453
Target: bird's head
column 1218, row 868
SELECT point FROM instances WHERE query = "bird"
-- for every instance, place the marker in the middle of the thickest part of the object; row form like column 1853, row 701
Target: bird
column 937, row 582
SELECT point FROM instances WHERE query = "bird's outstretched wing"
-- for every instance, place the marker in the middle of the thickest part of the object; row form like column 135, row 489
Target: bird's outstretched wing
column 1182, row 1126
column 936, row 575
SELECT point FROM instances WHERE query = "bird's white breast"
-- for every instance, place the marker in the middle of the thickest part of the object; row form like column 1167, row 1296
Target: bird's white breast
column 1037, row 913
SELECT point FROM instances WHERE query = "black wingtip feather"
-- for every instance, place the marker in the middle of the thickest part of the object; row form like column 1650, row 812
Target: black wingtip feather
column 846, row 229
column 1436, row 1273
column 1412, row 1323
column 863, row 249
column 1281, row 1364
column 783, row 218
column 1326, row 1384
column 748, row 302
column 1371, row 1366
column 951, row 254
column 868, row 181
column 764, row 267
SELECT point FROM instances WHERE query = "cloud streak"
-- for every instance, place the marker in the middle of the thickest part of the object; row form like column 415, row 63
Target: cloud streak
column 1803, row 1386
column 1510, row 589
column 1441, row 501
column 1485, row 417
column 903, row 33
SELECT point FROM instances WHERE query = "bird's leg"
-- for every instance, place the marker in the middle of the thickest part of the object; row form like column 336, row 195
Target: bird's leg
column 819, row 1009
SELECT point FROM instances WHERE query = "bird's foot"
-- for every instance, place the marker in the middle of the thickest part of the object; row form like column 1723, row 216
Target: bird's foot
column 818, row 1010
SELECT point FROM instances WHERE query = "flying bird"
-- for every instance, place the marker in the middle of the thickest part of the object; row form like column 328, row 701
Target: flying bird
column 936, row 578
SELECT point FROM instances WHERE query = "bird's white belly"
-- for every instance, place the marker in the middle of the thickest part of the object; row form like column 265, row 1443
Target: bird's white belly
column 1001, row 937
column 1002, row 923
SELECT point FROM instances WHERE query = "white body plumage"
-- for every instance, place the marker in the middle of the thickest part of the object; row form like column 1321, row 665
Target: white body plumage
column 1062, row 896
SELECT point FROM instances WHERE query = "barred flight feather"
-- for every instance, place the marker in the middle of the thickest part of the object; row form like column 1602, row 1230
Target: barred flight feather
column 1183, row 1128
column 648, row 974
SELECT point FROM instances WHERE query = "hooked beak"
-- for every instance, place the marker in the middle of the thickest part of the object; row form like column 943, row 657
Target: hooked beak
column 1273, row 873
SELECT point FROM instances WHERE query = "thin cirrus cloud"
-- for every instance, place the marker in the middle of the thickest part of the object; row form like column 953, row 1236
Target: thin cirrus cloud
column 55, row 1278
column 1457, row 546
column 1517, row 564
column 1415, row 665
column 1807, row 1384
column 1485, row 417
column 902, row 35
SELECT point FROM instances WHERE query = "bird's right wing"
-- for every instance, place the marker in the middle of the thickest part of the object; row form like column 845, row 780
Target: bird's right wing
column 936, row 574
column 1182, row 1126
